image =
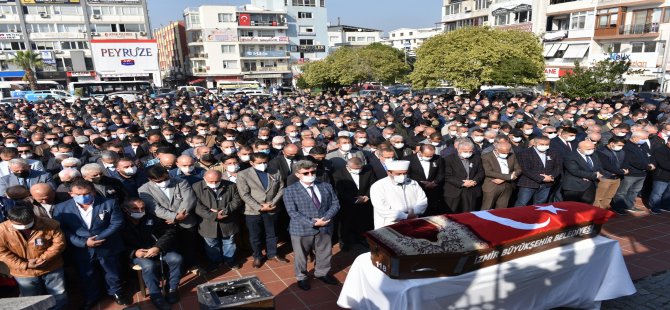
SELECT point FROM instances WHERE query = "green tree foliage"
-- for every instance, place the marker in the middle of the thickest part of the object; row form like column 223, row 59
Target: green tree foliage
column 29, row 62
column 347, row 65
column 599, row 81
column 474, row 56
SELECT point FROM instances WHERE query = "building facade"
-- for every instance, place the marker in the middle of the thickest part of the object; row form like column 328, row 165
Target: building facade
column 409, row 39
column 343, row 35
column 61, row 32
column 172, row 52
column 261, row 41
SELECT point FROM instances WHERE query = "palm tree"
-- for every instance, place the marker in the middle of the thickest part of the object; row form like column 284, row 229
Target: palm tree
column 29, row 61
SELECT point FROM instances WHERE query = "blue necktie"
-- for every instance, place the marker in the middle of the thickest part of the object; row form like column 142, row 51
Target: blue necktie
column 589, row 161
column 315, row 199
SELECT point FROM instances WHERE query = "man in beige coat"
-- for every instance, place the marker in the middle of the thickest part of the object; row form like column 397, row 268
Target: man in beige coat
column 501, row 170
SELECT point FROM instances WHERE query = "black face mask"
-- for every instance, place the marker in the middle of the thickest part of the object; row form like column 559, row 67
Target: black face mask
column 22, row 174
column 208, row 158
column 290, row 157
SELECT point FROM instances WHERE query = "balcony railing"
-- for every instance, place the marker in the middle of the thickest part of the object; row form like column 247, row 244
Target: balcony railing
column 254, row 23
column 639, row 29
column 266, row 69
column 199, row 70
column 199, row 55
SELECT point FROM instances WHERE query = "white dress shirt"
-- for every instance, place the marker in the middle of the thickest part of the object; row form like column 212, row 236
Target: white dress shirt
column 357, row 179
column 87, row 215
column 166, row 191
column 425, row 165
column 316, row 190
column 504, row 167
column 543, row 157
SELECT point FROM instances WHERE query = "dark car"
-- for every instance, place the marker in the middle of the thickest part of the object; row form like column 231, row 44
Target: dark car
column 166, row 96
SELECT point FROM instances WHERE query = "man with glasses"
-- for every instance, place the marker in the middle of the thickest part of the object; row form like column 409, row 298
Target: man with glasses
column 25, row 152
column 312, row 206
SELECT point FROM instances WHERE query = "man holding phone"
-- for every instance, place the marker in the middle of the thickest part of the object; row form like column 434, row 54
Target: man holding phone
column 311, row 205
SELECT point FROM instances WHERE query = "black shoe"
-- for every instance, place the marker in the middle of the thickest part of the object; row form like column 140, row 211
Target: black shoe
column 634, row 210
column 304, row 285
column 328, row 279
column 280, row 259
column 88, row 305
column 122, row 299
column 212, row 267
column 620, row 212
column 258, row 263
column 233, row 265
column 655, row 211
column 159, row 302
column 172, row 297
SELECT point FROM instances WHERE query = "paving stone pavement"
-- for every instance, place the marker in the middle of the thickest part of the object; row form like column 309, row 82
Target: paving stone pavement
column 652, row 293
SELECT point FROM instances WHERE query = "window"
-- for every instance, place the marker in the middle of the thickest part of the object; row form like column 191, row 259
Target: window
column 228, row 49
column 371, row 39
column 35, row 9
column 333, row 38
column 502, row 19
column 607, row 18
column 103, row 10
column 10, row 28
column 523, row 16
column 578, row 20
column 131, row 10
column 322, row 3
column 306, row 29
column 74, row 45
column 70, row 27
column 612, row 48
column 226, row 18
column 102, row 28
column 41, row 28
column 637, row 47
column 12, row 46
column 304, row 14
column 192, row 21
column 306, row 42
column 229, row 64
column 7, row 9
column 351, row 39
column 650, row 47
column 266, row 33
column 410, row 33
column 451, row 9
column 306, row 3
column 666, row 16
column 44, row 46
column 131, row 27
column 482, row 4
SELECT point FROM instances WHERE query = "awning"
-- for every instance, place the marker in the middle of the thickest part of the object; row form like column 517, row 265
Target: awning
column 500, row 11
column 639, row 79
column 553, row 48
column 521, row 8
column 555, row 35
column 196, row 81
column 576, row 51
column 9, row 74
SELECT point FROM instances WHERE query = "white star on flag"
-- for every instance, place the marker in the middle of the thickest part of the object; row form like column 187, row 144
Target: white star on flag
column 549, row 208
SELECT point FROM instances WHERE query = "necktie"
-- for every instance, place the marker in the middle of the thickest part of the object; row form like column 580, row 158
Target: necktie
column 569, row 146
column 589, row 161
column 346, row 156
column 315, row 199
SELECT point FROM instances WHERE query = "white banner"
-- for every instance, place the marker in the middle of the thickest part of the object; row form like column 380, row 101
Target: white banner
column 125, row 56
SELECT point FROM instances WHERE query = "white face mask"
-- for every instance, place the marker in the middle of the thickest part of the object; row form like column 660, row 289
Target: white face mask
column 130, row 171
column 478, row 139
column 398, row 145
column 617, row 148
column 23, row 227
column 245, row 158
column 516, row 139
column 137, row 215
column 552, row 135
column 261, row 167
column 570, row 139
column 466, row 155
column 503, row 156
column 308, row 179
column 233, row 168
column 188, row 169
column 163, row 184
column 542, row 148
column 400, row 179
column 361, row 140
column 528, row 132
column 27, row 156
column 214, row 185
column 588, row 153
column 355, row 171
column 345, row 147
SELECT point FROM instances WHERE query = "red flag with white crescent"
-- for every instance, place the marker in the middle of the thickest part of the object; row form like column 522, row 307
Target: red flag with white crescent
column 500, row 226
column 244, row 20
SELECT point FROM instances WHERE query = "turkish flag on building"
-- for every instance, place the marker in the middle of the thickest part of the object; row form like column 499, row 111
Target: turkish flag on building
column 500, row 226
column 244, row 20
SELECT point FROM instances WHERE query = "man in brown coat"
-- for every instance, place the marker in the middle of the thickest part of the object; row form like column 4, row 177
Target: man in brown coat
column 31, row 246
column 501, row 170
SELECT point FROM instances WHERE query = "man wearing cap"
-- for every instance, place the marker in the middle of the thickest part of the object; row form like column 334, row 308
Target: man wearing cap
column 396, row 197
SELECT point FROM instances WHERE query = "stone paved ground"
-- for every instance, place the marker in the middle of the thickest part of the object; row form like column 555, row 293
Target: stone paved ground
column 653, row 292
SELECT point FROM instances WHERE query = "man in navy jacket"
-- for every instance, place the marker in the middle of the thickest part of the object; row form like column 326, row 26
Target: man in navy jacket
column 638, row 161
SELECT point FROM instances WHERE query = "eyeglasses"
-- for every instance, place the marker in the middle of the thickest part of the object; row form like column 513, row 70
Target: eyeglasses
column 313, row 172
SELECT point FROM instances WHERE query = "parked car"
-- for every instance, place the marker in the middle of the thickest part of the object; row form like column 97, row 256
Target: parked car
column 166, row 96
column 436, row 92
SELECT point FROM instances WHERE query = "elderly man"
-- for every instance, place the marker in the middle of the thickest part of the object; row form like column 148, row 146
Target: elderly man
column 463, row 177
column 337, row 159
column 220, row 207
column 8, row 154
column 638, row 160
column 167, row 160
column 283, row 162
column 187, row 170
column 108, row 161
column 582, row 173
column 425, row 167
column 399, row 146
column 352, row 184
column 501, row 169
column 22, row 175
column 44, row 199
column 397, row 197
column 107, row 187
column 311, row 206
column 541, row 167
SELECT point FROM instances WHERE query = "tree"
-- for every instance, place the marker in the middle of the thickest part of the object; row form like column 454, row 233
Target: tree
column 474, row 56
column 29, row 62
column 599, row 81
column 348, row 65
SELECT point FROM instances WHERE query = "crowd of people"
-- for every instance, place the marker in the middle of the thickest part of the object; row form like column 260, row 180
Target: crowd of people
column 102, row 186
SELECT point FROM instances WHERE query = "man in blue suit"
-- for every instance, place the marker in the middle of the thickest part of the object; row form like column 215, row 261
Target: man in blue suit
column 311, row 206
column 91, row 225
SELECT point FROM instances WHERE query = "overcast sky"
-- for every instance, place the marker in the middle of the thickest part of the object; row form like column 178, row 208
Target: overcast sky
column 378, row 14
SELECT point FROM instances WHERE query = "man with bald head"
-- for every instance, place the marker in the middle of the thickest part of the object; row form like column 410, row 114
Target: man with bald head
column 167, row 160
column 501, row 169
column 283, row 163
column 582, row 171
column 220, row 207
column 44, row 199
column 187, row 170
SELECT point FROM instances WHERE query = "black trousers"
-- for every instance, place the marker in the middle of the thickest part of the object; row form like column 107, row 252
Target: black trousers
column 586, row 196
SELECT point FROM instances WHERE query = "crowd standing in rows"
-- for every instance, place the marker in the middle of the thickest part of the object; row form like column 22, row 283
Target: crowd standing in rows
column 101, row 186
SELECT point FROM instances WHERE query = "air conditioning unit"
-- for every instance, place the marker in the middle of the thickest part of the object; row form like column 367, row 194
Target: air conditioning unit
column 44, row 15
column 96, row 16
column 82, row 31
column 14, row 30
column 466, row 9
column 58, row 52
column 143, row 33
column 94, row 34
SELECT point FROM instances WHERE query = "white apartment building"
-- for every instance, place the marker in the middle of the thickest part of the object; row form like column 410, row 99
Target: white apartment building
column 61, row 31
column 261, row 41
column 409, row 39
column 343, row 35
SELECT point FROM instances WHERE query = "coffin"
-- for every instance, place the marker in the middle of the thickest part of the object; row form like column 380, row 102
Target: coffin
column 453, row 244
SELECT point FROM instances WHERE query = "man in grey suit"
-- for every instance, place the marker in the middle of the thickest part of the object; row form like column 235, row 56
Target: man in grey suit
column 261, row 192
column 337, row 159
column 311, row 206
column 173, row 201
column 21, row 174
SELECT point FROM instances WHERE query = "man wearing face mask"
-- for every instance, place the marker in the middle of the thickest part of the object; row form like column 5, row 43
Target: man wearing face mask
column 262, row 193
column 186, row 170
column 107, row 187
column 565, row 143
column 501, row 169
column 130, row 176
column 32, row 248
column 426, row 168
column 8, row 154
column 352, row 185
column 22, row 175
column 43, row 199
column 220, row 207
column 149, row 243
column 311, row 206
column 463, row 176
column 337, row 159
column 397, row 197
column 541, row 167
column 638, row 160
column 91, row 224
column 283, row 163
column 611, row 157
column 581, row 174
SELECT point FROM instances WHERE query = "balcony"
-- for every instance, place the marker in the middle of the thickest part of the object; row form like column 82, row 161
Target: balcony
column 252, row 69
column 265, row 54
column 270, row 40
column 639, row 29
column 200, row 70
column 622, row 31
column 198, row 55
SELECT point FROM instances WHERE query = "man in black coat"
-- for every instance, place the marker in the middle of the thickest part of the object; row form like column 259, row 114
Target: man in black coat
column 638, row 160
column 463, row 175
column 659, row 200
column 582, row 171
column 283, row 162
column 425, row 167
column 352, row 184
column 149, row 243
